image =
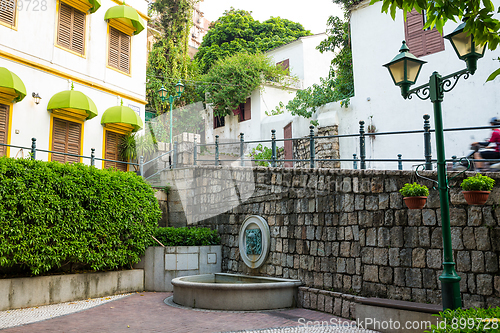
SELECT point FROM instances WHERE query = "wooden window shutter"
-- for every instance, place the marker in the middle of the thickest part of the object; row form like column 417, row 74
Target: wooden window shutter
column 112, row 151
column 285, row 64
column 71, row 28
column 66, row 138
column 8, row 11
column 247, row 111
column 4, row 127
column 119, row 50
column 419, row 41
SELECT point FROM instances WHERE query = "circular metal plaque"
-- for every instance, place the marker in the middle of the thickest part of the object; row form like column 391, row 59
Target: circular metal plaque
column 254, row 241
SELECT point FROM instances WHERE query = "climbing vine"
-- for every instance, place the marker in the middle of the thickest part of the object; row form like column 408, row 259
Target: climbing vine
column 169, row 59
column 237, row 76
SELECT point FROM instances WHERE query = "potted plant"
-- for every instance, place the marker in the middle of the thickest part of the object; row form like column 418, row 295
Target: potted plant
column 414, row 195
column 477, row 188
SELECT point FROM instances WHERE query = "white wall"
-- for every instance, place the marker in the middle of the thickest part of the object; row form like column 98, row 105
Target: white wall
column 34, row 42
column 376, row 39
column 306, row 62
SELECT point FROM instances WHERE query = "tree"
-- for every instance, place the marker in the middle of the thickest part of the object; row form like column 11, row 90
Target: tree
column 232, row 79
column 169, row 59
column 478, row 15
column 236, row 31
column 339, row 84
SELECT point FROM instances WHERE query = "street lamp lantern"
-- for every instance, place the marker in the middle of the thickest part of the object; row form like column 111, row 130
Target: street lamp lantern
column 404, row 69
column 162, row 92
column 466, row 47
column 179, row 88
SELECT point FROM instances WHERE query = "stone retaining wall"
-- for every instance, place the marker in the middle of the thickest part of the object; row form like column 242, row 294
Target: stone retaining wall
column 349, row 231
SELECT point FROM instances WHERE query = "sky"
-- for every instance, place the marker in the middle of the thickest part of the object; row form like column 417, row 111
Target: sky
column 312, row 14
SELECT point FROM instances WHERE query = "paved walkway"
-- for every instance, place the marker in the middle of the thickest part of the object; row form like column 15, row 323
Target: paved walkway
column 147, row 312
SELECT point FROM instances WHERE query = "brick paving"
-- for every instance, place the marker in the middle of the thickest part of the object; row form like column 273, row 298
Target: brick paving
column 147, row 312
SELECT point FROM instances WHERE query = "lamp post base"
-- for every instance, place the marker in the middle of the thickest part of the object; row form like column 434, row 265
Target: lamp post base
column 450, row 287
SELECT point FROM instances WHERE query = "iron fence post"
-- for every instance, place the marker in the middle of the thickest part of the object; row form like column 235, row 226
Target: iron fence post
column 273, row 148
column 33, row 148
column 312, row 149
column 141, row 166
column 242, row 143
column 216, row 150
column 355, row 162
column 427, row 142
column 194, row 152
column 454, row 158
column 400, row 163
column 362, row 152
column 175, row 155
column 92, row 156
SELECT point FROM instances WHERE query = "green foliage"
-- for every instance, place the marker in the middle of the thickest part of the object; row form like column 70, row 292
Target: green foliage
column 169, row 59
column 414, row 190
column 477, row 182
column 54, row 214
column 236, row 31
column 478, row 15
column 471, row 320
column 339, row 85
column 238, row 76
column 280, row 109
column 262, row 153
column 186, row 236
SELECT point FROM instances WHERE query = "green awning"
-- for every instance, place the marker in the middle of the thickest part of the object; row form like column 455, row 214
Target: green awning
column 126, row 15
column 72, row 100
column 96, row 4
column 122, row 115
column 11, row 85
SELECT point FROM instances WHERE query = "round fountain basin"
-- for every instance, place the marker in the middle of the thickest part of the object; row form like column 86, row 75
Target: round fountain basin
column 222, row 291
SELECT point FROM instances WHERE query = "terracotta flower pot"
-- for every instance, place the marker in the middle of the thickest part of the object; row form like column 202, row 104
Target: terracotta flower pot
column 415, row 202
column 476, row 197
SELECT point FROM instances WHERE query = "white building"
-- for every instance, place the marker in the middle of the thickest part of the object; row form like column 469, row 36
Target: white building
column 54, row 45
column 305, row 62
column 376, row 39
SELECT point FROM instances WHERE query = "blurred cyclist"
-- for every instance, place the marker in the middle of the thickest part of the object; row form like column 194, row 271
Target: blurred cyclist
column 489, row 153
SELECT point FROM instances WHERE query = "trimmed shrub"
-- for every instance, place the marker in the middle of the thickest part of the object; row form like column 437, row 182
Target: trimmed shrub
column 55, row 215
column 470, row 320
column 186, row 236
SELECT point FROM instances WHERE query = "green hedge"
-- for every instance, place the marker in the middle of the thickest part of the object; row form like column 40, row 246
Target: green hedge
column 55, row 215
column 470, row 320
column 186, row 236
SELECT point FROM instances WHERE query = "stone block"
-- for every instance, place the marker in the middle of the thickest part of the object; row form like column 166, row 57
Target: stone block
column 469, row 238
column 411, row 236
column 477, row 261
column 491, row 262
column 394, row 259
column 424, row 236
column 383, row 237
column 458, row 217
column 456, row 238
column 436, row 239
column 370, row 273
column 428, row 217
column 434, row 259
column 474, row 216
column 405, row 256
column 484, row 284
column 429, row 278
column 396, row 237
column 418, row 258
column 399, row 276
column 413, row 278
column 371, row 202
column 367, row 255
column 371, row 237
column 380, row 256
column 385, row 275
column 482, row 238
column 414, row 217
column 463, row 261
column 395, row 200
column 383, row 201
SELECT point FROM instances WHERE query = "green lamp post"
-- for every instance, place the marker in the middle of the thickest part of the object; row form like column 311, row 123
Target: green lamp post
column 404, row 70
column 162, row 92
